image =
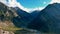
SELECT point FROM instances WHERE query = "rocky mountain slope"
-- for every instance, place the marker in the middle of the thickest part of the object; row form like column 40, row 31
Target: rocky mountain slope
column 6, row 16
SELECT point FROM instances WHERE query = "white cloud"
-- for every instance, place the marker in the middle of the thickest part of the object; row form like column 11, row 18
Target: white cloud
column 14, row 3
column 55, row 1
column 3, row 1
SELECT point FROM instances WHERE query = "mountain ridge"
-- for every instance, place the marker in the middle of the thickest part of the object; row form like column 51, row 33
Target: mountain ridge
column 48, row 19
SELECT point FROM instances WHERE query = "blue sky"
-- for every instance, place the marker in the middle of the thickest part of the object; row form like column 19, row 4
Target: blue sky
column 34, row 3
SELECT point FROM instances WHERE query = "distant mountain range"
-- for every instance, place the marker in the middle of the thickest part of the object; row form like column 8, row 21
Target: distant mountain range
column 47, row 20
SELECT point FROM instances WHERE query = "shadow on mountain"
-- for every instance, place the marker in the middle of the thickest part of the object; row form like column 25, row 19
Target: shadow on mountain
column 23, row 19
column 48, row 19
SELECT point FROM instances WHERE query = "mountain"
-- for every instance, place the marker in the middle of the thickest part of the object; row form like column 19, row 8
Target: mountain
column 12, row 18
column 35, row 13
column 23, row 19
column 48, row 19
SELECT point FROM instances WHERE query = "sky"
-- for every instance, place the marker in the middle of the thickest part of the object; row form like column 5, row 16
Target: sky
column 29, row 5
column 34, row 3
